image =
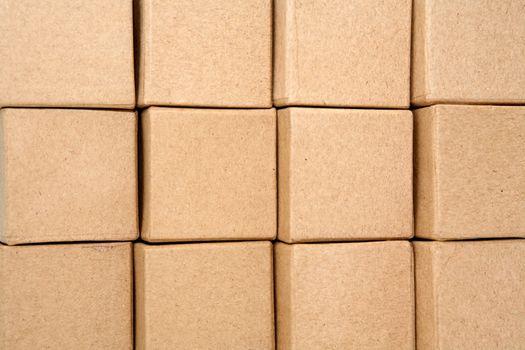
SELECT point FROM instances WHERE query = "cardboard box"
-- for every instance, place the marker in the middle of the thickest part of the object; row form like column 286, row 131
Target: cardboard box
column 65, row 53
column 208, row 174
column 344, row 174
column 66, row 296
column 468, row 52
column 345, row 296
column 342, row 53
column 205, row 53
column 470, row 172
column 470, row 295
column 67, row 175
column 204, row 296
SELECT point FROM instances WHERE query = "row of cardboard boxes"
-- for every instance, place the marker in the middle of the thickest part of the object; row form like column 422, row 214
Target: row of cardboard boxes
column 219, row 54
column 364, row 295
column 210, row 174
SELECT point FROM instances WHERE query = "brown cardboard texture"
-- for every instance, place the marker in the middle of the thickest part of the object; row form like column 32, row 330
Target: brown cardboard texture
column 66, row 296
column 344, row 296
column 67, row 175
column 65, row 53
column 470, row 295
column 470, row 172
column 205, row 53
column 342, row 53
column 209, row 174
column 344, row 174
column 204, row 296
column 468, row 52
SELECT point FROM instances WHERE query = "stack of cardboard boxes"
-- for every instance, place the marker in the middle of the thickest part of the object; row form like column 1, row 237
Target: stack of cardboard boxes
column 68, row 174
column 310, row 205
column 468, row 60
column 345, row 175
column 209, row 175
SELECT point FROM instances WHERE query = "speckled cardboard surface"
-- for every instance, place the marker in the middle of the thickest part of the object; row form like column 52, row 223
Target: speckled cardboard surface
column 470, row 172
column 205, row 53
column 65, row 53
column 344, row 174
column 468, row 52
column 469, row 295
column 204, row 296
column 68, row 175
column 209, row 174
column 345, row 296
column 342, row 53
column 66, row 296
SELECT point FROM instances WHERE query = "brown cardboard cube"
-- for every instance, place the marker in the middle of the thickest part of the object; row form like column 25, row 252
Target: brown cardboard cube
column 204, row 296
column 345, row 296
column 344, row 174
column 66, row 296
column 470, row 172
column 65, row 53
column 208, row 174
column 470, row 295
column 205, row 53
column 342, row 53
column 67, row 175
column 468, row 52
